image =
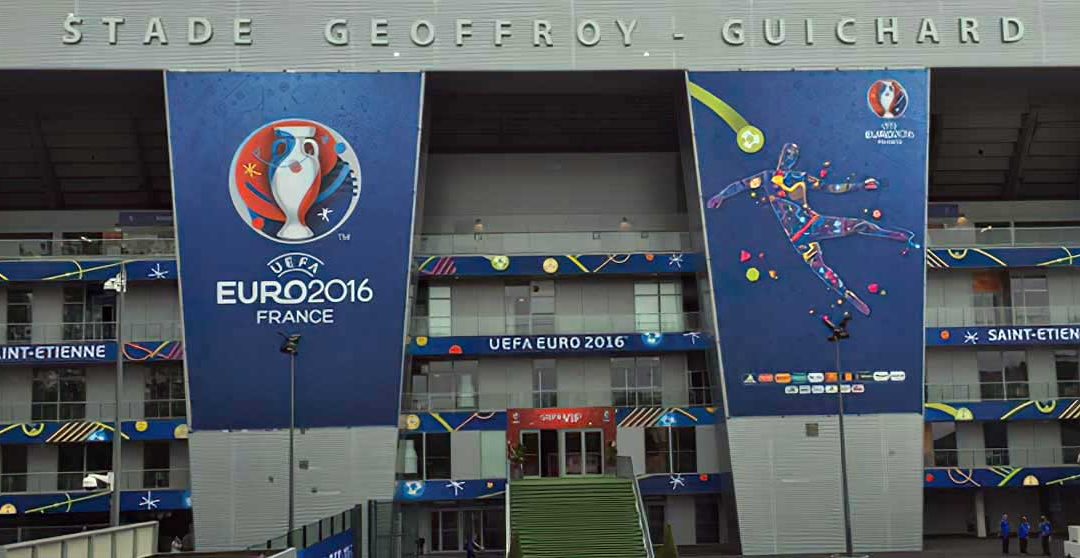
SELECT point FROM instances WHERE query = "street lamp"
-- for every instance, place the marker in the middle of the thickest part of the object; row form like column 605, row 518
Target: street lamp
column 839, row 333
column 291, row 346
column 118, row 283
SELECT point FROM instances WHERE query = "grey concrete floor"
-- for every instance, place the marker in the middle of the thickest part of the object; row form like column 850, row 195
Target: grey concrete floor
column 956, row 548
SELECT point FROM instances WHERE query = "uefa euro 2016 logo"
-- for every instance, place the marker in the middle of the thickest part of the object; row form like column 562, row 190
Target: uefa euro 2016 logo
column 294, row 181
column 887, row 98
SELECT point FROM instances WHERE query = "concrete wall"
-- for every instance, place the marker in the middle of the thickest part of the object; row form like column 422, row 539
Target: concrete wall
column 949, row 512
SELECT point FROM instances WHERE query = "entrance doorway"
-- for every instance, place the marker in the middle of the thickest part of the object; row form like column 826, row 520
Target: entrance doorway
column 560, row 453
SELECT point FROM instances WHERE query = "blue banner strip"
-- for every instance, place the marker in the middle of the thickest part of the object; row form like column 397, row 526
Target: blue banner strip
column 1000, row 477
column 559, row 344
column 1058, row 409
column 86, row 270
column 559, row 265
column 998, row 258
column 94, row 502
column 982, row 336
column 91, row 353
column 91, row 431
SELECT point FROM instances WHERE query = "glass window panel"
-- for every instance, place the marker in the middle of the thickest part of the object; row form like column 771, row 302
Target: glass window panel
column 670, row 287
column 944, row 434
column 439, row 308
column 707, row 518
column 1015, row 364
column 19, row 296
column 995, row 435
column 438, row 291
column 437, row 458
column 646, row 288
column 646, row 306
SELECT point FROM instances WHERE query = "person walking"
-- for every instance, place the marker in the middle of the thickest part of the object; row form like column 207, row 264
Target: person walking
column 472, row 546
column 1044, row 533
column 1005, row 533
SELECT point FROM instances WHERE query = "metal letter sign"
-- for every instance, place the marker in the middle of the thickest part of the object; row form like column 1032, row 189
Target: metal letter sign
column 814, row 193
column 294, row 198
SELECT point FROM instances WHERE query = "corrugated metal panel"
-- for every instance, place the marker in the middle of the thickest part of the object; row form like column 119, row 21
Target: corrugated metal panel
column 288, row 35
column 885, row 480
column 787, row 485
column 237, row 504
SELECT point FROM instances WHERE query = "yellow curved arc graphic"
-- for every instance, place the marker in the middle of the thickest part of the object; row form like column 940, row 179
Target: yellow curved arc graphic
column 3, row 277
column 68, row 501
column 947, row 409
column 990, row 256
column 722, row 109
column 1017, row 409
column 33, row 431
column 442, row 421
column 1067, row 260
column 958, row 254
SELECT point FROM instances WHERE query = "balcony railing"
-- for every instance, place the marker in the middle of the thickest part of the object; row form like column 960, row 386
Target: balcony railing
column 1004, row 236
column 74, row 332
column 52, row 481
column 523, row 243
column 998, row 391
column 616, row 397
column 1002, row 315
column 1013, row 457
column 37, row 411
column 545, row 324
column 46, row 248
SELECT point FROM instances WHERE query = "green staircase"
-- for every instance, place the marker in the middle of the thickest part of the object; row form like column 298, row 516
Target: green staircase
column 592, row 517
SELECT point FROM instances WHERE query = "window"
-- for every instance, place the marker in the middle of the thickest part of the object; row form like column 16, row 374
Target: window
column 545, row 384
column 1068, row 373
column 73, row 313
column 707, row 518
column 654, row 510
column 82, row 243
column 658, row 306
column 1030, row 298
column 1003, row 374
column 670, row 450
column 433, row 309
column 444, row 530
column 530, row 307
column 447, row 384
column 164, row 394
column 698, row 380
column 636, row 381
column 996, row 442
column 13, row 468
column 58, row 394
column 19, row 314
column 155, row 465
column 426, row 456
column 1070, row 442
column 988, row 297
column 26, row 244
column 944, row 434
column 74, row 461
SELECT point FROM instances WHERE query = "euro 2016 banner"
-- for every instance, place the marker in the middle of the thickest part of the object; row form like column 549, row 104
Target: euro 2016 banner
column 813, row 187
column 294, row 197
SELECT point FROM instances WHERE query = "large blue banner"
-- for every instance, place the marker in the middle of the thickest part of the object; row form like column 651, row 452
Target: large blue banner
column 814, row 194
column 294, row 197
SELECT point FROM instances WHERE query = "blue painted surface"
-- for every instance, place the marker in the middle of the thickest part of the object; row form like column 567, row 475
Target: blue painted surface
column 559, row 344
column 227, row 142
column 86, row 502
column 685, row 483
column 565, row 265
column 998, row 258
column 775, row 325
column 86, row 270
column 90, row 353
column 340, row 545
column 436, row 490
column 984, row 336
column 41, row 432
column 1058, row 409
column 1000, row 477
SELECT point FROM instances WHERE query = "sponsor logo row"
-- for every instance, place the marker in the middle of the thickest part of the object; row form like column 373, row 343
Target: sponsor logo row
column 798, row 378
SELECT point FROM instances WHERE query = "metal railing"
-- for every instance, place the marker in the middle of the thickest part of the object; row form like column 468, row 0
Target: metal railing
column 633, row 397
column 523, row 243
column 40, row 411
column 45, row 248
column 1003, row 236
column 53, row 481
column 74, row 332
column 318, row 531
column 1012, row 457
column 624, row 468
column 545, row 324
column 1002, row 315
column 127, row 541
column 998, row 391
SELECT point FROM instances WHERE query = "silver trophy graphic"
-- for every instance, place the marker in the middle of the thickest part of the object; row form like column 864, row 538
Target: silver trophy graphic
column 296, row 178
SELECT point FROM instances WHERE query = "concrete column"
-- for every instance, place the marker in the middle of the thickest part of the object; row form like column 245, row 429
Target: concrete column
column 980, row 514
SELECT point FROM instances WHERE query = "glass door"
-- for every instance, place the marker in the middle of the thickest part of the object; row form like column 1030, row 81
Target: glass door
column 530, row 442
column 582, row 452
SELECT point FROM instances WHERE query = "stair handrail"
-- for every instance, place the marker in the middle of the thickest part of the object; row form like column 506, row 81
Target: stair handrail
column 624, row 467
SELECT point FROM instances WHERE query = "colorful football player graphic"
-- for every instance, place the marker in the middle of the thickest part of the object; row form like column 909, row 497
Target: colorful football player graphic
column 786, row 191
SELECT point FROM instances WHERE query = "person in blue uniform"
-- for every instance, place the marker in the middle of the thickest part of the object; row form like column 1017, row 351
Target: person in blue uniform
column 1005, row 532
column 1044, row 533
column 1023, row 532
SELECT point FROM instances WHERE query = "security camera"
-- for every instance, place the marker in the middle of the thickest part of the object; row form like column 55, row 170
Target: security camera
column 94, row 481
